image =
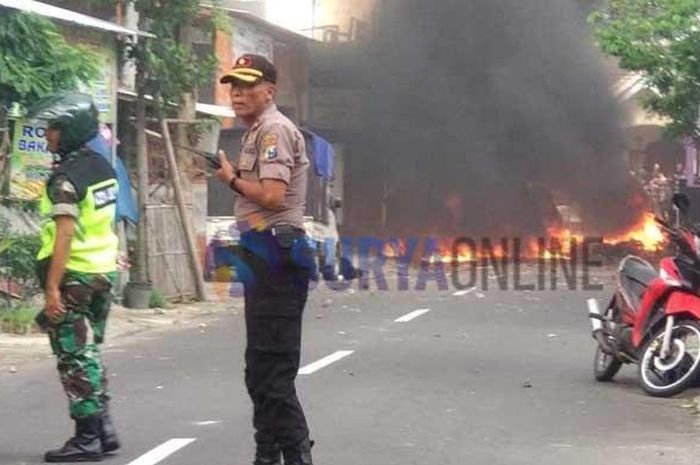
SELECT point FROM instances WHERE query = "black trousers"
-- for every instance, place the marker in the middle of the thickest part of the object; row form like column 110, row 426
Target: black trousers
column 276, row 284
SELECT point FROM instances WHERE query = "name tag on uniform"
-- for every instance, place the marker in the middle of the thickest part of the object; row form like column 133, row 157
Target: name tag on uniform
column 105, row 196
column 247, row 162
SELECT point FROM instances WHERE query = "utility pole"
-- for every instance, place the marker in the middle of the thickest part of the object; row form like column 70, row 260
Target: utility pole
column 186, row 112
column 142, row 177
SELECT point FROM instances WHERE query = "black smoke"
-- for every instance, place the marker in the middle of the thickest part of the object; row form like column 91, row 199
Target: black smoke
column 474, row 114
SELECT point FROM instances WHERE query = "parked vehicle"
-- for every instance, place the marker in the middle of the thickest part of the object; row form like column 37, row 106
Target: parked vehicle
column 653, row 319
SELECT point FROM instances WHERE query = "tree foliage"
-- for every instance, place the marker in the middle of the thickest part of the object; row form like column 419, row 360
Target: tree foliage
column 36, row 61
column 170, row 66
column 18, row 256
column 660, row 39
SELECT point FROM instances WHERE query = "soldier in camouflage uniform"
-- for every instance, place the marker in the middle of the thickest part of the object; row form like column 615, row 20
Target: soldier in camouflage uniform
column 76, row 268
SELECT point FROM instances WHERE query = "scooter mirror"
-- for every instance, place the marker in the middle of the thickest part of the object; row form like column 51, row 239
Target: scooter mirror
column 682, row 202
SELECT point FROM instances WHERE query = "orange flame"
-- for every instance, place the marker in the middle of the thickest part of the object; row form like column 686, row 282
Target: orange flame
column 646, row 232
column 556, row 244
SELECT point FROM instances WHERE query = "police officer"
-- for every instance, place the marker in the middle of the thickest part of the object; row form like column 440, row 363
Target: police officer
column 270, row 184
column 76, row 268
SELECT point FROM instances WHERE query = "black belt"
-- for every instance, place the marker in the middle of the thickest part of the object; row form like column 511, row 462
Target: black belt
column 285, row 234
column 283, row 229
column 279, row 230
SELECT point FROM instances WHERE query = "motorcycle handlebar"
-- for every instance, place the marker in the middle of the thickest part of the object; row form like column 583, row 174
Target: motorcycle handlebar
column 662, row 223
column 676, row 235
column 681, row 241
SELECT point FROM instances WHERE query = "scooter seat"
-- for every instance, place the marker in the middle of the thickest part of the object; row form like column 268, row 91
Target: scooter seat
column 635, row 274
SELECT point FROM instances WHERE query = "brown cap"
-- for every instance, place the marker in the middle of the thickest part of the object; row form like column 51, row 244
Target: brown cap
column 251, row 69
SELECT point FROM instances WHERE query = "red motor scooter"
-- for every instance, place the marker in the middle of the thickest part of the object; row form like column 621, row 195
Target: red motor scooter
column 653, row 319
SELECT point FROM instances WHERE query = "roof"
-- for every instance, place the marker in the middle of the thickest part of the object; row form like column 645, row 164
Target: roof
column 204, row 108
column 50, row 11
column 215, row 110
column 258, row 21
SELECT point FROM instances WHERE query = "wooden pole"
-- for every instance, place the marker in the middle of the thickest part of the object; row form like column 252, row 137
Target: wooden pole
column 184, row 218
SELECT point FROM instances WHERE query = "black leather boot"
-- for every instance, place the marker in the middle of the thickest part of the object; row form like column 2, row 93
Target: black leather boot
column 108, row 433
column 298, row 454
column 85, row 446
column 268, row 454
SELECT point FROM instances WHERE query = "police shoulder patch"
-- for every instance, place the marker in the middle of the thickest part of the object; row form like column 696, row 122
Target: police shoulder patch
column 270, row 153
column 268, row 145
column 268, row 140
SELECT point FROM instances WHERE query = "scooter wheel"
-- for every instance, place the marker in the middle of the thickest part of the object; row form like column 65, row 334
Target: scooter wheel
column 680, row 369
column 605, row 366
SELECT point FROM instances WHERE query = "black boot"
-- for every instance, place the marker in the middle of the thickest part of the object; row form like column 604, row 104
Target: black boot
column 268, row 454
column 298, row 454
column 85, row 446
column 108, row 433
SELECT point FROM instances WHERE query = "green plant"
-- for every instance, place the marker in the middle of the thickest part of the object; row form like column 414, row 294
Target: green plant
column 36, row 61
column 171, row 67
column 660, row 39
column 18, row 258
column 19, row 320
column 157, row 300
column 5, row 243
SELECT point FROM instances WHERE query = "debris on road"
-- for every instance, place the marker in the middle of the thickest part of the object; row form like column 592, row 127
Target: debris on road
column 692, row 405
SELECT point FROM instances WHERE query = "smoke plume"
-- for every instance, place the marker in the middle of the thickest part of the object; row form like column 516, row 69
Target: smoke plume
column 475, row 113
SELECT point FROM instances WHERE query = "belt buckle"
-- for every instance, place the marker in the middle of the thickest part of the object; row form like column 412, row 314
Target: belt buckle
column 281, row 229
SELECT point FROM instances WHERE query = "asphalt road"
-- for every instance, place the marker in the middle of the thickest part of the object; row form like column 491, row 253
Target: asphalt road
column 485, row 377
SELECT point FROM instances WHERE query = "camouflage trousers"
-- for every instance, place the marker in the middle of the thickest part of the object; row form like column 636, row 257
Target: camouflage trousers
column 76, row 339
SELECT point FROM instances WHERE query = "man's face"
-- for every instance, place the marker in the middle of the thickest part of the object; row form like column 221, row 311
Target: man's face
column 250, row 100
column 53, row 137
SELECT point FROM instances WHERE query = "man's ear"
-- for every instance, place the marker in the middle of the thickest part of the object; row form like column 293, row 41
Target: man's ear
column 271, row 91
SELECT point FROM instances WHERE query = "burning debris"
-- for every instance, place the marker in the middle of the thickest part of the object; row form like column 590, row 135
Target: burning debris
column 559, row 243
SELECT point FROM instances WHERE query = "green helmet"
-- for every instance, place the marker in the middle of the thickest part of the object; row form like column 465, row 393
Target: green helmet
column 74, row 114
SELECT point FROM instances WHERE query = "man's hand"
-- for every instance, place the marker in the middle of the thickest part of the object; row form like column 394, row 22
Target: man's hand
column 227, row 171
column 53, row 307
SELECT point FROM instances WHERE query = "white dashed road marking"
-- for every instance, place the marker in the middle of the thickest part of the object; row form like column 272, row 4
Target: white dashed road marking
column 324, row 362
column 164, row 450
column 415, row 314
column 464, row 291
